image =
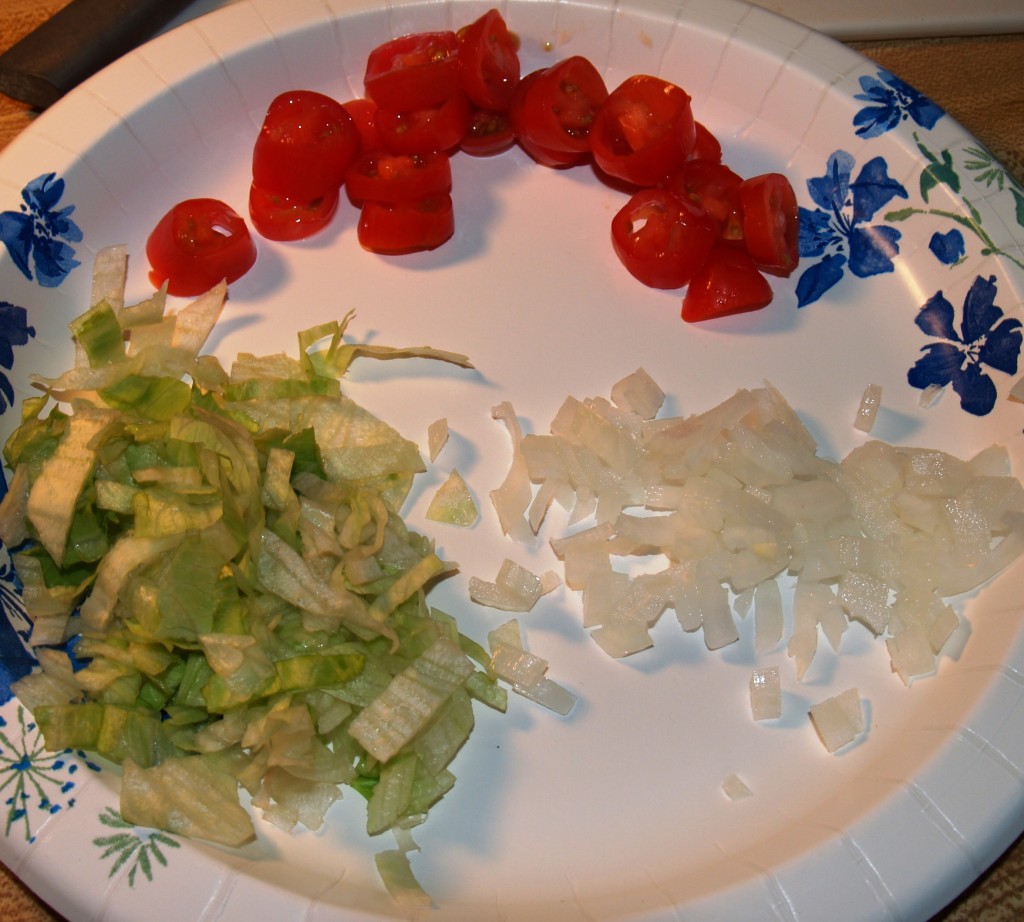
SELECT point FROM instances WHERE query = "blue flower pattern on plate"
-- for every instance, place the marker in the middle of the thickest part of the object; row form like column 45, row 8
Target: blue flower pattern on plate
column 36, row 783
column 986, row 338
column 837, row 232
column 14, row 331
column 948, row 248
column 40, row 234
column 891, row 101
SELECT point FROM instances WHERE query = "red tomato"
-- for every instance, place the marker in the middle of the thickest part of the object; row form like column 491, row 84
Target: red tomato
column 555, row 107
column 705, row 145
column 379, row 176
column 644, row 131
column 489, row 62
column 662, row 239
column 278, row 217
column 197, row 244
column 304, row 146
column 489, row 133
column 727, row 283
column 420, row 131
column 771, row 225
column 364, row 117
column 395, row 229
column 414, row 71
column 715, row 188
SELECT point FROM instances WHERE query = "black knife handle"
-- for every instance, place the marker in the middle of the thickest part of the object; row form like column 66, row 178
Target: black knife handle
column 77, row 41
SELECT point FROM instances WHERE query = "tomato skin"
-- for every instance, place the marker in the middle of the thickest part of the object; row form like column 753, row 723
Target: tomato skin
column 380, row 176
column 278, row 217
column 421, row 131
column 413, row 71
column 305, row 144
column 409, row 227
column 555, row 107
column 771, row 222
column 714, row 187
column 489, row 68
column 539, row 153
column 705, row 145
column 489, row 133
column 727, row 283
column 662, row 239
column 197, row 244
column 364, row 117
column 644, row 131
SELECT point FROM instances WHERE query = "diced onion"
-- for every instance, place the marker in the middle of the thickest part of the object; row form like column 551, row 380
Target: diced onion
column 839, row 720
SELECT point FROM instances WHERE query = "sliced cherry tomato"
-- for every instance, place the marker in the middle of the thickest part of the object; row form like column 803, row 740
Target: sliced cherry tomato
column 489, row 62
column 727, row 283
column 420, row 131
column 379, row 176
column 542, row 155
column 705, row 145
column 364, row 117
column 197, row 244
column 278, row 217
column 771, row 225
column 644, row 131
column 662, row 239
column 395, row 229
column 556, row 107
column 489, row 133
column 715, row 188
column 414, row 71
column 305, row 145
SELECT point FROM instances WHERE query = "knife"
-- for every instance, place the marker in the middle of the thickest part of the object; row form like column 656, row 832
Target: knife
column 77, row 41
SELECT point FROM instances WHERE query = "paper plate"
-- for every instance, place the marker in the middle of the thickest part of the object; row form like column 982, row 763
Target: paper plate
column 616, row 810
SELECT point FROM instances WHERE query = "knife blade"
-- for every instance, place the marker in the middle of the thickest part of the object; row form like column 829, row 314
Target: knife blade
column 76, row 42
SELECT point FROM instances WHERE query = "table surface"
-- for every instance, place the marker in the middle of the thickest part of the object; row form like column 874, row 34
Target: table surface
column 977, row 79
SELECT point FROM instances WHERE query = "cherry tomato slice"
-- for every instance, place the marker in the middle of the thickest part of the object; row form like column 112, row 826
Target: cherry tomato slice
column 714, row 187
column 364, row 117
column 556, row 107
column 644, row 131
column 414, row 71
column 305, row 144
column 489, row 67
column 771, row 225
column 662, row 239
column 541, row 154
column 278, row 217
column 727, row 283
column 705, row 145
column 197, row 244
column 421, row 131
column 489, row 133
column 395, row 229
column 380, row 176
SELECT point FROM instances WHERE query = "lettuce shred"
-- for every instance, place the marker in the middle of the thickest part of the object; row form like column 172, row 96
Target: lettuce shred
column 223, row 552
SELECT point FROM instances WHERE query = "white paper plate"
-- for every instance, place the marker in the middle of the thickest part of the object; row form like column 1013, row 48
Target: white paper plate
column 617, row 810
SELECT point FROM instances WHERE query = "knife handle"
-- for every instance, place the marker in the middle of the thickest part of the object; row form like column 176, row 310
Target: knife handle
column 77, row 41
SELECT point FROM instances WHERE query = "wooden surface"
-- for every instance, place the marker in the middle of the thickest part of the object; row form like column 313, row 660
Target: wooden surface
column 978, row 80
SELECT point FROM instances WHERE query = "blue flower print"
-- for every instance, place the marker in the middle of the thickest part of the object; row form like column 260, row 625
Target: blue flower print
column 14, row 331
column 891, row 101
column 948, row 248
column 985, row 338
column 39, row 234
column 837, row 233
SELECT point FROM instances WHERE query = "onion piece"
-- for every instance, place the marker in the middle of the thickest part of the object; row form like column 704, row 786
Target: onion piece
column 839, row 720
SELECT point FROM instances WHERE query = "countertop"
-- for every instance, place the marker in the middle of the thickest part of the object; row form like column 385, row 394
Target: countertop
column 977, row 79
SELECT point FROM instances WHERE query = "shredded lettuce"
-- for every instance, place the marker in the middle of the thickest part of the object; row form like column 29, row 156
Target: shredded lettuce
column 249, row 606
